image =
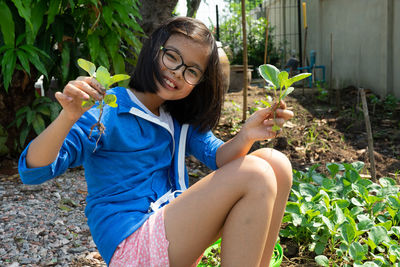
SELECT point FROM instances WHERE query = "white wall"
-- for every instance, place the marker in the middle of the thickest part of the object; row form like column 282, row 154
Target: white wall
column 366, row 42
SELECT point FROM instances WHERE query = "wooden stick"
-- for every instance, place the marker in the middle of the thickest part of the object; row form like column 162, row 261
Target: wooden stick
column 369, row 134
column 331, row 72
column 245, row 64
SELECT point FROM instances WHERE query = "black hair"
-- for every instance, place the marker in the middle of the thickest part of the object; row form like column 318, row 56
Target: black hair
column 202, row 107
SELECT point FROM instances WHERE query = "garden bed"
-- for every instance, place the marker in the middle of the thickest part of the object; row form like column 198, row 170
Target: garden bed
column 320, row 134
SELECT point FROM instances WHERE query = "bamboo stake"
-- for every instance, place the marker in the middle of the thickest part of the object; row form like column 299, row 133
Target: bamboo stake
column 305, row 38
column 266, row 40
column 266, row 36
column 331, row 72
column 369, row 134
column 245, row 64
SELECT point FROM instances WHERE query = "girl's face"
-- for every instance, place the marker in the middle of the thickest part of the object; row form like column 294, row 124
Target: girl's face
column 182, row 62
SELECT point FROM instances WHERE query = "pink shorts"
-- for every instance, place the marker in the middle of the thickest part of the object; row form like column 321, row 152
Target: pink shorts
column 147, row 246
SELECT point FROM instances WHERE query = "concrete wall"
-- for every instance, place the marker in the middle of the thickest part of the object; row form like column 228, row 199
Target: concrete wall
column 366, row 42
column 396, row 50
column 365, row 38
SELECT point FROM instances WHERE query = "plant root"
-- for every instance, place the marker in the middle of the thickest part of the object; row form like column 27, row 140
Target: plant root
column 101, row 128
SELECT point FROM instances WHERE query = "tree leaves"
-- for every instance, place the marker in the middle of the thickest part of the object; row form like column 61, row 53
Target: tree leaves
column 7, row 24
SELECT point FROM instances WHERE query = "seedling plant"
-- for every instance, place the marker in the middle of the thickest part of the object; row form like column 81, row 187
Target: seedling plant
column 345, row 219
column 281, row 85
column 106, row 80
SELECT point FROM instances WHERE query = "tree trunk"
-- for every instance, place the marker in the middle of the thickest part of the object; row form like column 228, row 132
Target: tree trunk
column 153, row 14
column 20, row 93
column 192, row 7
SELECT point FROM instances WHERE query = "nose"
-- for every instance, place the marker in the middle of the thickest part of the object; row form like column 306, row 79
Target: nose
column 179, row 72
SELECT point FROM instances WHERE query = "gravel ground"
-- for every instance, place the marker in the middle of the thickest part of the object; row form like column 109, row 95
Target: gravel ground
column 45, row 225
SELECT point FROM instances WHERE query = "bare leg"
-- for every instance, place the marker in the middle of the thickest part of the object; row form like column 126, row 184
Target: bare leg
column 283, row 173
column 238, row 199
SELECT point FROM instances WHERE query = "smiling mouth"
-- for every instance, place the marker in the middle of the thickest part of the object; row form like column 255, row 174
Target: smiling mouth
column 169, row 83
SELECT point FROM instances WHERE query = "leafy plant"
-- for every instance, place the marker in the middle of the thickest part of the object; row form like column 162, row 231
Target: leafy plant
column 353, row 220
column 280, row 83
column 106, row 80
column 35, row 117
column 231, row 35
column 47, row 37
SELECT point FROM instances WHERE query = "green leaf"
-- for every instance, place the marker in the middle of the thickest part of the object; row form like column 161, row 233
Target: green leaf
column 24, row 11
column 107, row 15
column 333, row 169
column 270, row 74
column 322, row 260
column 119, row 65
column 287, row 91
column 283, row 76
column 94, row 46
column 23, row 59
column 30, row 114
column 7, row 24
column 37, row 14
column 347, row 233
column 387, row 225
column 308, row 190
column 358, row 165
column 387, row 182
column 88, row 103
column 364, row 222
column 54, row 110
column 378, row 234
column 54, row 7
column 297, row 219
column 110, row 99
column 113, row 104
column 112, row 43
column 34, row 59
column 103, row 76
column 45, row 110
column 293, row 207
column 22, row 136
column 117, row 78
column 339, row 215
column 328, row 223
column 297, row 78
column 8, row 66
column 65, row 62
column 38, row 124
column 356, row 251
column 88, row 66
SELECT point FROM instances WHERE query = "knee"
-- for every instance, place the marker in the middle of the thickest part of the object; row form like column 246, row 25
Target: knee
column 260, row 179
column 280, row 163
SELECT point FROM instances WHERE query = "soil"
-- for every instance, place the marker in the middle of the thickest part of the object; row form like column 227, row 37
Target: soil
column 318, row 134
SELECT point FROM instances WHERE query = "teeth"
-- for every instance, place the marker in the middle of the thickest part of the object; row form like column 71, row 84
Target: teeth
column 169, row 83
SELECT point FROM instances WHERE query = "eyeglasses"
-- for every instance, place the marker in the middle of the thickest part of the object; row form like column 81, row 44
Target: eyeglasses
column 173, row 61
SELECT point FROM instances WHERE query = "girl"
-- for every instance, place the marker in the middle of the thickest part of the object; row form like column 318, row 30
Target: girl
column 138, row 209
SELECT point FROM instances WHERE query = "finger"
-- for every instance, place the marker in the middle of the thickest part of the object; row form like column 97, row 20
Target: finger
column 282, row 104
column 284, row 114
column 93, row 83
column 73, row 90
column 278, row 121
column 62, row 98
column 87, row 88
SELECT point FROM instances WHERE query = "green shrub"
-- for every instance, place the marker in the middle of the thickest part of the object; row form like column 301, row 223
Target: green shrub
column 345, row 219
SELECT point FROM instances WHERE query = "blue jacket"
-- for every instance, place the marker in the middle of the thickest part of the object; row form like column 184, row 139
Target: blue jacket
column 136, row 167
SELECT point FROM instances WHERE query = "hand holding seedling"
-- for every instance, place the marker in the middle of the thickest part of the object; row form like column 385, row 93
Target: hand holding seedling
column 106, row 80
column 280, row 83
column 81, row 94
